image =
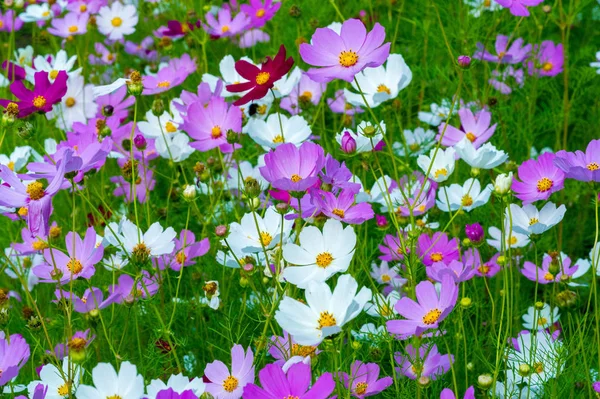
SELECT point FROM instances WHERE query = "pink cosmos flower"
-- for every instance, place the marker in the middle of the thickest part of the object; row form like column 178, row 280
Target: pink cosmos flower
column 209, row 125
column 448, row 394
column 487, row 269
column 253, row 36
column 518, row 8
column 500, row 80
column 118, row 100
column 437, row 248
column 85, row 6
column 9, row 21
column 144, row 183
column 579, row 165
column 539, row 178
column 364, row 380
column 104, row 57
column 342, row 207
column 343, row 55
column 292, row 168
column 82, row 256
column 230, row 385
column 392, row 248
column 185, row 251
column 456, row 269
column 91, row 300
column 15, row 353
column 165, row 79
column 72, row 24
column 129, row 290
column 549, row 59
column 476, row 128
column 428, row 363
column 143, row 50
column 430, row 310
column 384, row 274
column 306, row 92
column 43, row 96
column 552, row 271
column 224, row 25
column 260, row 12
column 414, row 193
column 515, row 54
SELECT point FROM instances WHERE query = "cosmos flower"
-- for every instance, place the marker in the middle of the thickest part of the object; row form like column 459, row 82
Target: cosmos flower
column 467, row 196
column 528, row 220
column 519, row 7
column 9, row 22
column 485, row 157
column 416, row 142
column 555, row 268
column 475, row 127
column 549, row 59
column 448, row 394
column 72, row 24
column 364, row 380
column 178, row 383
column 36, row 12
column 459, row 271
column 437, row 248
column 579, row 165
column 117, row 20
column 538, row 179
column 129, row 238
column 186, row 250
column 54, row 381
column 256, row 233
column 383, row 305
column 225, row 384
column 77, row 104
column 292, row 168
column 126, row 383
column 342, row 207
column 540, row 317
column 229, row 75
column 144, row 183
column 278, row 129
column 500, row 80
column 15, row 353
column 224, row 24
column 515, row 54
column 129, row 290
column 260, row 12
column 365, row 142
column 438, row 113
column 428, row 362
column 43, row 96
column 439, row 164
column 306, row 92
column 343, row 55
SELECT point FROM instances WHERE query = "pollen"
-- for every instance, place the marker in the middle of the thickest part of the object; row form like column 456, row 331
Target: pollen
column 164, row 84
column 361, row 388
column 385, row 278
column 230, row 384
column 466, row 200
column 471, row 137
column 436, row 257
column 548, row 276
column 180, row 257
column 383, row 89
column 541, row 321
column 593, row 166
column 170, row 127
column 533, row 221
column 35, row 190
column 484, row 269
column 262, row 78
column 324, row 259
column 301, row 350
column 64, row 389
column 74, row 266
column 265, row 238
column 73, row 28
column 348, row 58
column 512, row 240
column 440, row 172
column 69, row 102
column 432, row 316
column 278, row 139
column 114, row 397
column 225, row 29
column 260, row 13
column 326, row 319
column 216, row 132
column 544, row 184
column 116, row 22
column 306, row 96
column 262, row 109
column 295, row 178
column 77, row 343
column 39, row 101
column 547, row 66
column 141, row 252
column 53, row 74
column 339, row 212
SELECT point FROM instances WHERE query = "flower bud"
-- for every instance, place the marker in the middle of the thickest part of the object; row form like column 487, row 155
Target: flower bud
column 470, row 366
column 356, row 345
column 140, row 142
column 26, row 130
column 524, row 370
column 295, row 11
column 189, row 192
column 466, row 302
column 244, row 282
column 381, row 221
column 503, row 183
column 485, row 381
column 252, row 187
column 158, row 107
column 221, row 230
column 232, row 137
column 464, row 61
column 475, row 232
column 348, row 143
column 108, row 110
column 423, row 381
column 566, row 298
column 282, row 208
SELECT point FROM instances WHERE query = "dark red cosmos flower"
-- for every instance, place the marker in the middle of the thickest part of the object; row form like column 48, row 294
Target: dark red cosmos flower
column 260, row 79
column 176, row 28
column 43, row 96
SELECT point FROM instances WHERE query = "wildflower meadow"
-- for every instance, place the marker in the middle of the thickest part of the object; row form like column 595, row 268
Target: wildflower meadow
column 299, row 199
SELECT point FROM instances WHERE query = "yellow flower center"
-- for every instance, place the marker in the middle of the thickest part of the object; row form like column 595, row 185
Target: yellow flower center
column 262, row 78
column 593, row 166
column 361, row 388
column 116, row 22
column 114, row 397
column 141, row 252
column 216, row 132
column 180, row 257
column 69, row 102
column 278, row 139
column 306, row 96
column 502, row 53
column 326, row 319
column 39, row 245
column 262, row 109
column 74, row 266
column 1, row 24
column 547, row 66
column 440, row 172
column 11, row 166
column 548, row 276
column 385, row 311
column 35, row 190
column 265, row 238
column 544, row 184
column 260, row 13
column 164, row 83
column 300, row 350
column 541, row 321
column 385, row 278
column 64, row 389
column 170, row 127
column 339, row 212
column 324, row 259
column 225, row 29
column 77, row 343
column 39, row 101
column 436, row 257
column 23, row 211
column 512, row 240
column 484, row 269
column 45, row 14
column 383, row 89
column 471, row 137
column 466, row 200
column 53, row 74
column 295, row 178
column 538, row 367
column 83, row 8
column 348, row 58
column 432, row 316
column 73, row 28
column 533, row 221
column 230, row 384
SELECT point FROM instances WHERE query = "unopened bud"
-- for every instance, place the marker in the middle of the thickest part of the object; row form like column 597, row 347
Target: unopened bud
column 108, row 110
column 221, row 230
column 485, row 381
column 464, row 61
column 140, row 142
column 348, row 143
column 158, row 107
column 189, row 192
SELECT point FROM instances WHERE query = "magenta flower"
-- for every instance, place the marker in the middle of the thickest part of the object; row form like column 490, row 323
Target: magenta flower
column 91, row 300
column 487, row 269
column 518, row 8
column 342, row 207
column 209, row 125
column 306, row 92
column 129, row 290
column 437, row 248
column 579, row 165
column 72, row 24
column 337, row 175
column 294, row 169
column 39, row 392
column 343, row 55
column 171, row 394
column 186, row 250
column 552, row 271
column 224, row 25
column 429, row 363
column 392, row 249
column 43, row 96
column 260, row 13
column 364, row 380
column 9, row 21
column 476, row 128
column 144, row 183
column 515, row 54
column 224, row 384
column 430, row 310
column 82, row 256
column 348, row 144
column 448, row 394
column 295, row 384
column 456, row 269
column 14, row 353
column 475, row 232
column 538, row 179
column 549, row 59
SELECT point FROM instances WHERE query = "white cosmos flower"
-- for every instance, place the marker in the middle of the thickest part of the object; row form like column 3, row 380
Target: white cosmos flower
column 24, row 56
column 484, row 157
column 17, row 159
column 179, row 383
column 376, row 194
column 234, row 257
column 583, row 266
column 117, row 20
column 107, row 89
column 469, row 196
column 439, row 165
column 53, row 65
column 369, row 333
column 513, row 240
column 36, row 12
column 478, row 6
column 437, row 114
column 381, row 83
column 268, row 133
column 320, row 254
column 130, row 238
column 528, row 220
column 251, row 236
column 418, row 142
column 284, row 86
column 127, row 383
column 157, row 126
column 324, row 313
column 77, row 105
column 383, row 306
column 540, row 319
column 229, row 76
column 363, row 143
column 212, row 300
column 174, row 146
column 54, row 379
column 503, row 183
